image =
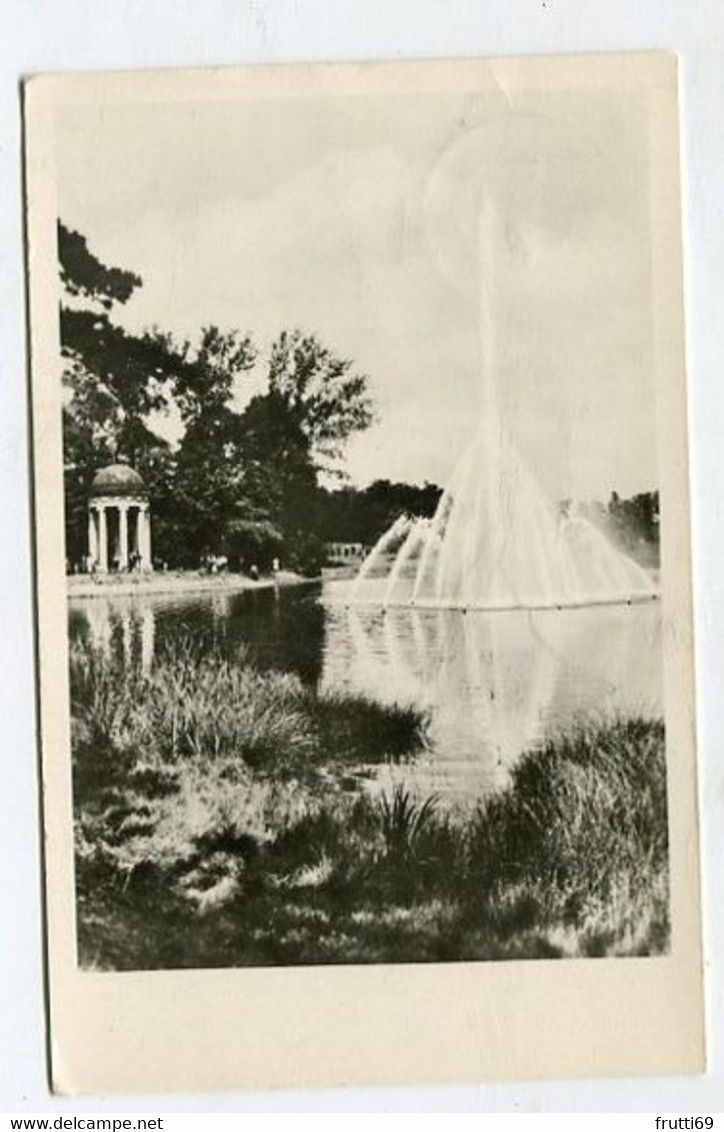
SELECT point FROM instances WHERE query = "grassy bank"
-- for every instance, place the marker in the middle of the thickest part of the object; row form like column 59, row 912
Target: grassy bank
column 220, row 821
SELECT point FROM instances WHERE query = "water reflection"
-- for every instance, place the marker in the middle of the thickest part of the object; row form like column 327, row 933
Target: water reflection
column 126, row 628
column 285, row 633
column 493, row 684
column 496, row 684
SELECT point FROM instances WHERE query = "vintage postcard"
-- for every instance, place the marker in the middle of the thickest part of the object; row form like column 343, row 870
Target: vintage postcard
column 363, row 581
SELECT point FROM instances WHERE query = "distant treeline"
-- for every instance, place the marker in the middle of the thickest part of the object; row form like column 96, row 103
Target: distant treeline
column 350, row 514
column 632, row 523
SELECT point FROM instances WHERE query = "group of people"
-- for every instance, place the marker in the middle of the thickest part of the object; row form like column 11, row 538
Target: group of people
column 219, row 564
column 210, row 564
column 214, row 563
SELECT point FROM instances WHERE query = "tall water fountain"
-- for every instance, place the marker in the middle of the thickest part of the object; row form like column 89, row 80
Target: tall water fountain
column 496, row 541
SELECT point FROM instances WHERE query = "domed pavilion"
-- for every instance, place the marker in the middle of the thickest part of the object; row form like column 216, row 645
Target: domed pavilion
column 119, row 520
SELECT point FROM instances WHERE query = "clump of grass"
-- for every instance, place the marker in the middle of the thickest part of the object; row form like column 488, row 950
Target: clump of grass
column 579, row 838
column 216, row 827
column 203, row 706
column 405, row 822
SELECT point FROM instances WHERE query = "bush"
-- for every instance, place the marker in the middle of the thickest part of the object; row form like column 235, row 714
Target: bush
column 304, row 553
column 252, row 543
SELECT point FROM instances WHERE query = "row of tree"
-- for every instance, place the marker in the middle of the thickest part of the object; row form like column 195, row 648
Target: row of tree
column 243, row 482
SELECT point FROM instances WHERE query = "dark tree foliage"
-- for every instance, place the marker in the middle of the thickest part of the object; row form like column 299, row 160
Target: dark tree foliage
column 279, row 484
column 252, row 542
column 209, row 460
column 82, row 454
column 204, row 384
column 320, row 392
column 207, row 480
column 127, row 375
column 632, row 524
column 82, row 274
column 635, row 524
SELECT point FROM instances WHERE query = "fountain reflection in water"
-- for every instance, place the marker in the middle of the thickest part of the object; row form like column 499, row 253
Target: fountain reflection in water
column 493, row 684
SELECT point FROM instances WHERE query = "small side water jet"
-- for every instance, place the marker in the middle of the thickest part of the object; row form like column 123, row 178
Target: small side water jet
column 496, row 541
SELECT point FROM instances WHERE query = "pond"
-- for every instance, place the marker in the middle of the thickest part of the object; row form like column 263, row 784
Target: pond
column 492, row 684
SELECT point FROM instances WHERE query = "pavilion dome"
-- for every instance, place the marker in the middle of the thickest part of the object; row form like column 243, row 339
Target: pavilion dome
column 118, row 479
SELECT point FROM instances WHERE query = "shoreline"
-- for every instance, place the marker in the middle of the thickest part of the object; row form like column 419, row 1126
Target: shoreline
column 85, row 586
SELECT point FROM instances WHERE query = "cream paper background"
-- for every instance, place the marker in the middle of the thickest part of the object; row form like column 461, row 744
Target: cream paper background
column 403, row 1023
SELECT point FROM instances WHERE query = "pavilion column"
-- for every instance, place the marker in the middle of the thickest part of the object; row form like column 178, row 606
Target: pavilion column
column 141, row 536
column 122, row 536
column 144, row 540
column 102, row 539
column 149, row 549
column 92, row 540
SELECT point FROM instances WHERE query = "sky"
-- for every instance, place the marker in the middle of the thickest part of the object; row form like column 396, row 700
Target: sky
column 446, row 243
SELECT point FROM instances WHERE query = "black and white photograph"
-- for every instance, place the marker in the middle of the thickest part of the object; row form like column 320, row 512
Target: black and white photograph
column 364, row 523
